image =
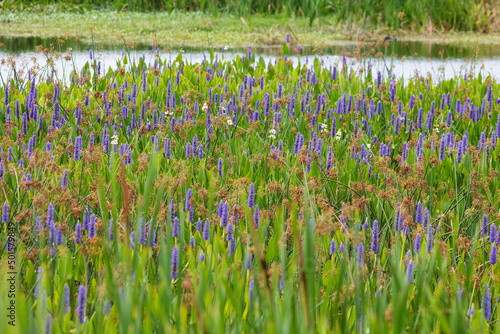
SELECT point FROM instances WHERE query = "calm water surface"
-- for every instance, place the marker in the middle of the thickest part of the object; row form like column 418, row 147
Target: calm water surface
column 419, row 57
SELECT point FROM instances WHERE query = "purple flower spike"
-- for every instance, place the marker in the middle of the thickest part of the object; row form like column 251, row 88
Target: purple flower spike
column 192, row 243
column 82, row 303
column 65, row 180
column 48, row 324
column 418, row 214
column 493, row 254
column 174, row 274
column 417, row 244
column 67, row 300
column 250, row 288
column 92, row 226
column 375, row 237
column 359, row 256
column 175, row 227
column 251, row 196
column 486, row 303
column 229, row 232
column 333, row 249
column 78, row 234
column 256, row 217
column 38, row 280
column 409, row 273
column 5, row 213
column 220, row 167
column 206, row 230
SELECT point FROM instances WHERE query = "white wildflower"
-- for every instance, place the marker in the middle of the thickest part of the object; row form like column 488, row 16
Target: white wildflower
column 115, row 140
column 204, row 107
column 338, row 135
column 272, row 131
column 272, row 136
column 229, row 122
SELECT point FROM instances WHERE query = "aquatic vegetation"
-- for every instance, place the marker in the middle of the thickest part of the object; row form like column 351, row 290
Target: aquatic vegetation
column 230, row 196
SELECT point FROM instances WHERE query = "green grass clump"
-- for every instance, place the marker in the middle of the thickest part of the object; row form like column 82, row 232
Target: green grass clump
column 235, row 195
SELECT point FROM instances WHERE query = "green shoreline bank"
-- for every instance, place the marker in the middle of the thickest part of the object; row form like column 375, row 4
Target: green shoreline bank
column 203, row 30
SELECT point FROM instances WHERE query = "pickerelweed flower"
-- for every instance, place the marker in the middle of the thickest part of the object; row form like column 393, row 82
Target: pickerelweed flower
column 5, row 213
column 78, row 148
column 175, row 227
column 229, row 232
column 78, row 233
column 493, row 254
column 484, row 227
column 92, row 226
column 333, row 249
column 250, row 288
column 409, row 273
column 430, row 237
column 375, row 237
column 192, row 243
column 67, row 300
column 110, row 230
column 486, row 303
column 419, row 213
column 442, row 147
column 48, row 324
column 174, row 274
column 220, row 167
column 132, row 239
column 142, row 232
column 189, row 195
column 81, row 303
column 417, row 244
column 256, row 217
column 493, row 233
column 232, row 246
column 426, row 217
column 39, row 277
column 249, row 261
column 224, row 215
column 65, row 180
column 206, row 230
column 251, row 196
column 359, row 252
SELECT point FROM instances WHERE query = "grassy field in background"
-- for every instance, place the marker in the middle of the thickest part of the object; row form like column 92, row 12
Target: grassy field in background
column 205, row 30
column 442, row 15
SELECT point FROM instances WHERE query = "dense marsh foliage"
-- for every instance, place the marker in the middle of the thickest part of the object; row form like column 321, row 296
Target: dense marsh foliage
column 232, row 196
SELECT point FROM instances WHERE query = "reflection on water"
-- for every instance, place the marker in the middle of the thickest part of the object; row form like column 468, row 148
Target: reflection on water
column 439, row 61
column 17, row 45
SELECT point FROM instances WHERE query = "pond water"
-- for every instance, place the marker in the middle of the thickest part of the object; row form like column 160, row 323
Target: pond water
column 396, row 57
